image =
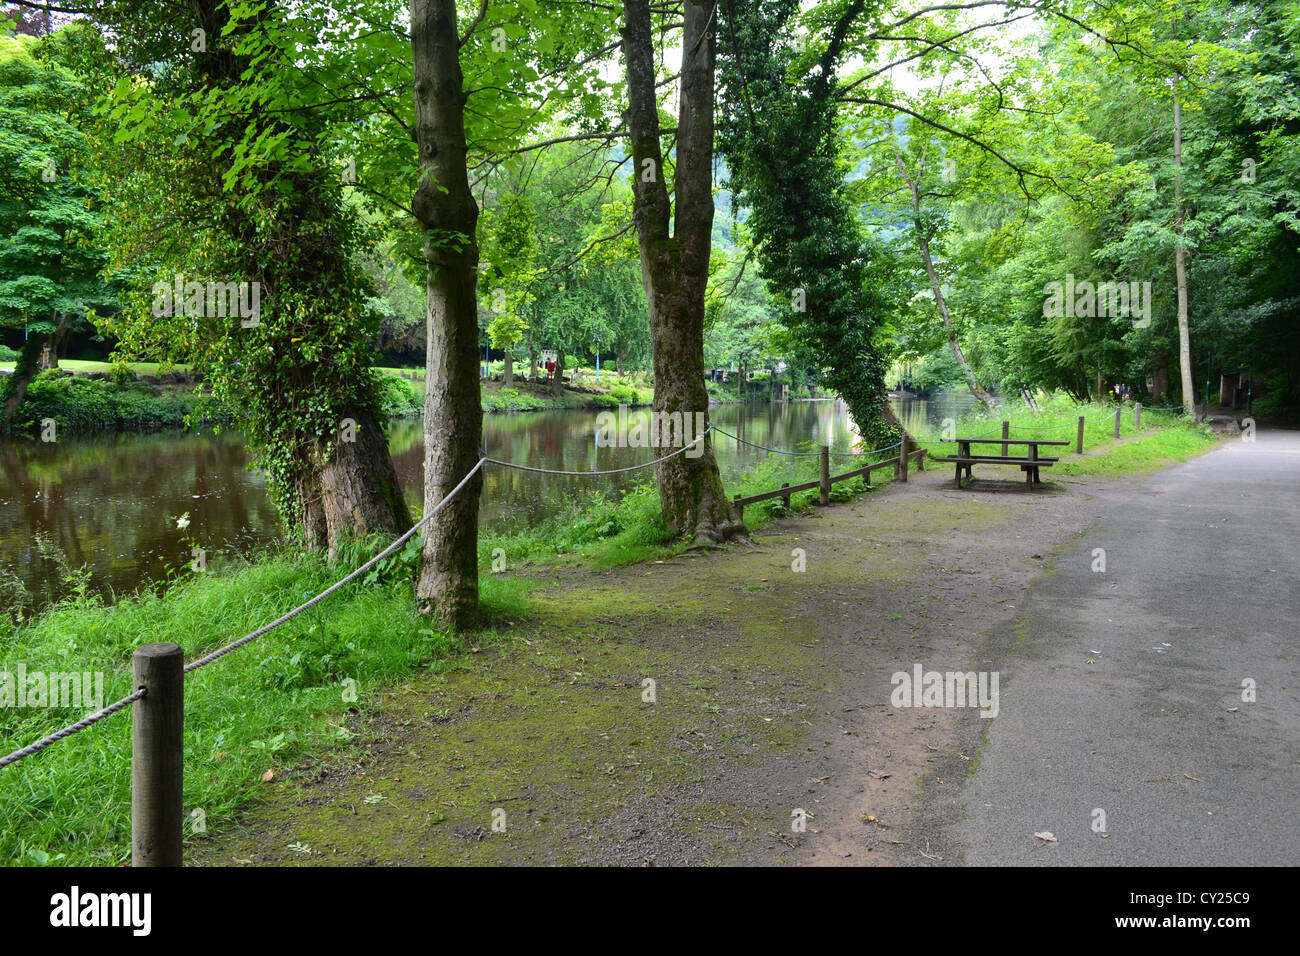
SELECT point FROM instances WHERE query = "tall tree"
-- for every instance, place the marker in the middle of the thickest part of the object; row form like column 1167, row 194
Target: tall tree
column 675, row 241
column 453, row 417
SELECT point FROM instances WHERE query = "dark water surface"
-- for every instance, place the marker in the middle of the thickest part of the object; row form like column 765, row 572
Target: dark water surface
column 111, row 502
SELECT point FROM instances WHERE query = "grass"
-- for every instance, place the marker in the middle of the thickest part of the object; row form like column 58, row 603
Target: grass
column 277, row 701
column 78, row 365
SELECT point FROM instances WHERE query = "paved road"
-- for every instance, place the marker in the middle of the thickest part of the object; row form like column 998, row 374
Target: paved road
column 1201, row 591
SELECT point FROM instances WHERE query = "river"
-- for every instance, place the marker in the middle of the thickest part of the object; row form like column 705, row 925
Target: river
column 111, row 501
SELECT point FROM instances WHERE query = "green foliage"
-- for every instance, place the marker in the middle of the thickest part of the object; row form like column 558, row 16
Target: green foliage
column 398, row 398
column 80, row 404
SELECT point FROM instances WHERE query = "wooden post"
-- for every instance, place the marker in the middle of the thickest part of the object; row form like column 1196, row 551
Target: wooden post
column 826, row 475
column 1006, row 433
column 157, row 756
column 1137, row 416
column 740, row 509
column 1078, row 445
column 785, row 499
column 902, row 459
column 1117, row 411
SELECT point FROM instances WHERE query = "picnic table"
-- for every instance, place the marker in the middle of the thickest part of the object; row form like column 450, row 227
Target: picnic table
column 1029, row 462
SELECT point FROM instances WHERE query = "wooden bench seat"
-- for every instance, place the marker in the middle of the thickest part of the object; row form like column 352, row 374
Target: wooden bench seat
column 1029, row 466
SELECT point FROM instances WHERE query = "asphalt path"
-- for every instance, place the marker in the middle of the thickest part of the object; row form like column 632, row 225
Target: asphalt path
column 1128, row 692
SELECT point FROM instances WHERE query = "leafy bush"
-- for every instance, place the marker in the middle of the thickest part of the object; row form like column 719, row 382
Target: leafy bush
column 80, row 404
column 398, row 397
column 7, row 354
column 625, row 395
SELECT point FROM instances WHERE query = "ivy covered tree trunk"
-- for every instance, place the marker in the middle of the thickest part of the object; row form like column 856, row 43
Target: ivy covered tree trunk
column 299, row 373
column 675, row 267
column 781, row 137
column 453, row 417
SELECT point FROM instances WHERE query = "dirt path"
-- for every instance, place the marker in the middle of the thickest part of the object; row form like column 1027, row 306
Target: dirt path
column 771, row 695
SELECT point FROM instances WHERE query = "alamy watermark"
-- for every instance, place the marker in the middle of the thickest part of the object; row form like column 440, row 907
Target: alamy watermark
column 923, row 688
column 19, row 688
column 1085, row 300
column 657, row 430
column 213, row 300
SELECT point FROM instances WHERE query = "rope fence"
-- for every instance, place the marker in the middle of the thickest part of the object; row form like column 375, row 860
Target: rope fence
column 91, row 719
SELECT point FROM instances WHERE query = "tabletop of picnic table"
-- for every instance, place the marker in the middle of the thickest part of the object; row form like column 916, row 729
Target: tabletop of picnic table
column 1008, row 441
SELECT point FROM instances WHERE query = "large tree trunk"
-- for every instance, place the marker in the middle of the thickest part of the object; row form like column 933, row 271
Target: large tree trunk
column 359, row 490
column 508, row 378
column 1180, row 262
column 532, row 365
column 936, row 287
column 453, row 417
column 675, row 268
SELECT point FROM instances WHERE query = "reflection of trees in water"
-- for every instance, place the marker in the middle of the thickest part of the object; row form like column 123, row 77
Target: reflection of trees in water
column 110, row 502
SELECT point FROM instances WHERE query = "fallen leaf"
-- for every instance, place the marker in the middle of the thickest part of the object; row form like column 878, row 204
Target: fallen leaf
column 269, row 775
column 1046, row 837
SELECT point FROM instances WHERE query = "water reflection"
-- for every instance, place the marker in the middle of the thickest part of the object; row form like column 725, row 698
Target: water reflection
column 111, row 502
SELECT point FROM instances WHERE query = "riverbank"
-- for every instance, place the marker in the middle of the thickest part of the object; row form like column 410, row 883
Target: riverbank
column 84, row 397
column 574, row 624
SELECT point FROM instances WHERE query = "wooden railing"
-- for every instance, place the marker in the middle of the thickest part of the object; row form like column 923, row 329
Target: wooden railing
column 906, row 454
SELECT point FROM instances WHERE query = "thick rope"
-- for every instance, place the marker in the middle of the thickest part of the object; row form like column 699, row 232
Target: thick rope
column 78, row 727
column 234, row 645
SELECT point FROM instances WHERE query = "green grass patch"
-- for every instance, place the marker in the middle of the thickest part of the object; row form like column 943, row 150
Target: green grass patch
column 1157, row 450
column 273, row 703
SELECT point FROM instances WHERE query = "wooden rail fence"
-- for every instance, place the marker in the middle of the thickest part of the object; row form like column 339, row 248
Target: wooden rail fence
column 906, row 454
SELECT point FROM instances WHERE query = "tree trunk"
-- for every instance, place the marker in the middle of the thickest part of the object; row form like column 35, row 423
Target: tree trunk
column 13, row 388
column 56, row 340
column 675, row 268
column 359, row 490
column 453, row 418
column 508, row 377
column 1160, row 380
column 532, row 365
column 557, row 380
column 1101, row 386
column 936, row 287
column 1180, row 263
column 618, row 365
